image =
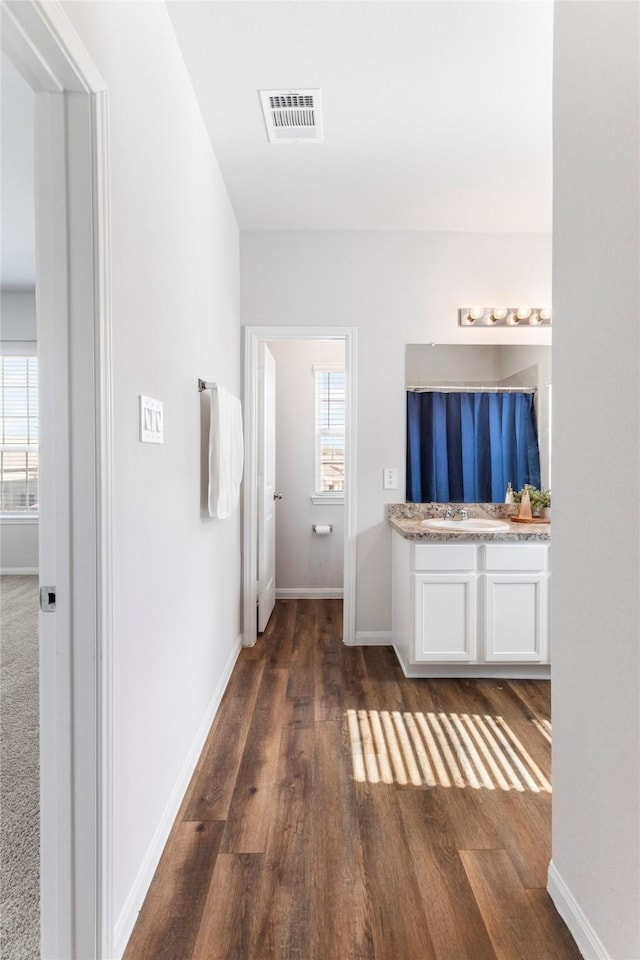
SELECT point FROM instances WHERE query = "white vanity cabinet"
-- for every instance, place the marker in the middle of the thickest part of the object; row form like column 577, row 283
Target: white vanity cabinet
column 471, row 609
column 515, row 589
column 445, row 605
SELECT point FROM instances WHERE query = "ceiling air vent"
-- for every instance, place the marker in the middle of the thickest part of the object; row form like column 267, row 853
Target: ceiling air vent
column 292, row 116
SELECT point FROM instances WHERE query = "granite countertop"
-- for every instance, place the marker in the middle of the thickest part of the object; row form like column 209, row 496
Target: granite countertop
column 405, row 519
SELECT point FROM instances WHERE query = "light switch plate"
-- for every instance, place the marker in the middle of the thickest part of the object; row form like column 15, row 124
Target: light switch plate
column 151, row 420
column 390, row 478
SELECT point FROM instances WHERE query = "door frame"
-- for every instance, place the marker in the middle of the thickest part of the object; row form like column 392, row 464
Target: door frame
column 266, row 486
column 74, row 344
column 253, row 336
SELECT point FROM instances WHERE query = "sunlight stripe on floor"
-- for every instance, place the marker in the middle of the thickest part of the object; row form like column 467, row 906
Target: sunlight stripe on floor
column 543, row 727
column 511, row 753
column 499, row 778
column 461, row 757
column 441, row 770
column 443, row 750
column 500, row 756
column 532, row 765
column 472, row 752
column 407, row 752
column 382, row 753
column 447, row 752
column 394, row 749
column 421, row 753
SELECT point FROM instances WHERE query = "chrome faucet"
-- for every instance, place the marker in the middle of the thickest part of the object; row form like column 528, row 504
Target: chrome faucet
column 460, row 513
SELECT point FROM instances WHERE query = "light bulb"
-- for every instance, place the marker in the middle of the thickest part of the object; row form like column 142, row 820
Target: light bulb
column 489, row 319
column 535, row 320
column 499, row 313
column 512, row 320
column 523, row 313
column 476, row 313
column 545, row 314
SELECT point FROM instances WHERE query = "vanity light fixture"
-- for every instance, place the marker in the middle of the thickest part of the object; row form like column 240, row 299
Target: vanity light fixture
column 472, row 315
column 504, row 316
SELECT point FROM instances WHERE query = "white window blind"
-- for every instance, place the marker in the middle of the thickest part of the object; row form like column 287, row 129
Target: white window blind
column 329, row 429
column 18, row 435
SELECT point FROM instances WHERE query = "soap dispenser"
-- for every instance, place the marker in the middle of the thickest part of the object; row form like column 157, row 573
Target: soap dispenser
column 508, row 497
column 525, row 504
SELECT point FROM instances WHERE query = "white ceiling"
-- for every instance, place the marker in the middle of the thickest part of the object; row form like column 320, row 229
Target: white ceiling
column 437, row 114
column 17, row 251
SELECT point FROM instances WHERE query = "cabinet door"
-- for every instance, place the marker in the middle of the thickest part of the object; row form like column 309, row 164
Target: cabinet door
column 515, row 615
column 445, row 617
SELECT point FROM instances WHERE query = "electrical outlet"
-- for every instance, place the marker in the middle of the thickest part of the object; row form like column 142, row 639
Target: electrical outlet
column 390, row 478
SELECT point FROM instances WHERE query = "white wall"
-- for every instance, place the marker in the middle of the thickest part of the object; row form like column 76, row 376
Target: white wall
column 18, row 545
column 430, row 364
column 595, row 877
column 305, row 564
column 396, row 288
column 175, row 290
column 18, row 322
column 18, row 538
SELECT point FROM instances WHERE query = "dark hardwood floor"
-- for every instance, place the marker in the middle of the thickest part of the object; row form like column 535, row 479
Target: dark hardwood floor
column 318, row 825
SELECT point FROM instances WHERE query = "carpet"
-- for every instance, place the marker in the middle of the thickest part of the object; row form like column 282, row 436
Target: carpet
column 19, row 770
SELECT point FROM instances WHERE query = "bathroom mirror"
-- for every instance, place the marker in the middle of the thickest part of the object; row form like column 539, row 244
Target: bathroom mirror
column 459, row 366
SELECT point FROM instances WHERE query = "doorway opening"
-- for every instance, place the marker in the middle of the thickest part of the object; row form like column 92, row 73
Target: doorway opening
column 19, row 520
column 75, row 482
column 303, row 510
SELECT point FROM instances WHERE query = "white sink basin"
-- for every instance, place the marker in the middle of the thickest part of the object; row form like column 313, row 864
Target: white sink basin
column 473, row 525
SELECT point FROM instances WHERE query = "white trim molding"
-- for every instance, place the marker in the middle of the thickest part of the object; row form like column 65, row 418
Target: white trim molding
column 253, row 337
column 8, row 520
column 129, row 914
column 309, row 593
column 374, row 638
column 19, row 571
column 589, row 943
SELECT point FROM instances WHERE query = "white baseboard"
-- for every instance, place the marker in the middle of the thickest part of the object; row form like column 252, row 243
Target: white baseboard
column 373, row 638
column 138, row 892
column 19, row 571
column 309, row 593
column 589, row 943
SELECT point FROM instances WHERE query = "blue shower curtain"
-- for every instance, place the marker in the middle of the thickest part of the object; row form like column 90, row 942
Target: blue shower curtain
column 466, row 447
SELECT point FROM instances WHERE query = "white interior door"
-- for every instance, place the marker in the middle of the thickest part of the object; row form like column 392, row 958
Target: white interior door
column 254, row 336
column 266, row 486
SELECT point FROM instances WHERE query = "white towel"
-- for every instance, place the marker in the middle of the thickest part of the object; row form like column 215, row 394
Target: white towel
column 226, row 452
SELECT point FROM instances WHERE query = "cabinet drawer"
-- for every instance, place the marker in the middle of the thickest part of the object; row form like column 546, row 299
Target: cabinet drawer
column 515, row 556
column 445, row 556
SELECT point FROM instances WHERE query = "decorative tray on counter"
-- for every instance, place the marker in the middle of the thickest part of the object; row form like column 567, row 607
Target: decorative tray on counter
column 529, row 520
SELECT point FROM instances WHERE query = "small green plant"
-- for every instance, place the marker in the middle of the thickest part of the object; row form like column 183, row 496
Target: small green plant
column 539, row 498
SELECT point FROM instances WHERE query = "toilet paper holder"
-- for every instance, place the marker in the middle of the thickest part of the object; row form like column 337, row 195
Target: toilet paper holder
column 322, row 529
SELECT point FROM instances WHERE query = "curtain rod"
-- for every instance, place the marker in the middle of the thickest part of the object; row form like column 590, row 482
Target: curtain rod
column 472, row 388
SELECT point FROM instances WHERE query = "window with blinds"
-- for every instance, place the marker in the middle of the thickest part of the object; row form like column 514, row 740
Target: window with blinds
column 18, row 435
column 329, row 429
